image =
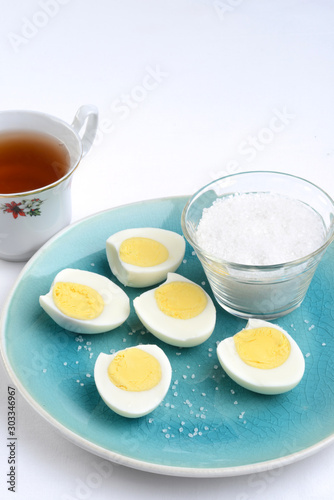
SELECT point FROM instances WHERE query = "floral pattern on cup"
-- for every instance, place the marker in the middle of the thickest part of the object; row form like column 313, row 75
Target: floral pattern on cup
column 24, row 208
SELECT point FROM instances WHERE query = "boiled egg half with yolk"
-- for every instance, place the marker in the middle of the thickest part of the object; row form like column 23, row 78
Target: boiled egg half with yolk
column 85, row 302
column 263, row 358
column 179, row 312
column 133, row 381
column 142, row 257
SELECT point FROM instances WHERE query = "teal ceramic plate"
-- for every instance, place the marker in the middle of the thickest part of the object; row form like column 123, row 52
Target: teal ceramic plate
column 207, row 425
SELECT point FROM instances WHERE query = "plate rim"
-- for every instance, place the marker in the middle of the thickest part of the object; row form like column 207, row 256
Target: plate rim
column 119, row 458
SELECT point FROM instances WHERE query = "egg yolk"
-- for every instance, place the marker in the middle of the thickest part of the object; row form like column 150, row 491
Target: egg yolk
column 180, row 300
column 134, row 370
column 77, row 301
column 143, row 252
column 263, row 347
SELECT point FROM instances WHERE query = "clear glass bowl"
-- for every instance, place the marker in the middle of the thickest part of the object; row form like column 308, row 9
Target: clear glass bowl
column 265, row 292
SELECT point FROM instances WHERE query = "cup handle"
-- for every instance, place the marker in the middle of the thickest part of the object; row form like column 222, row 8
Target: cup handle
column 85, row 124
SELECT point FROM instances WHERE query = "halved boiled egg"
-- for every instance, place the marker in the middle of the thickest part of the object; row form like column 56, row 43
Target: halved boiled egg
column 134, row 381
column 142, row 257
column 179, row 312
column 263, row 358
column 85, row 302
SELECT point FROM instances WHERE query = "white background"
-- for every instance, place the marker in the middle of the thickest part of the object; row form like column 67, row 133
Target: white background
column 237, row 85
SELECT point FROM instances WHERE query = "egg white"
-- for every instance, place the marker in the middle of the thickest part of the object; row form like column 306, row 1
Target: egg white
column 174, row 331
column 264, row 381
column 137, row 276
column 132, row 404
column 116, row 303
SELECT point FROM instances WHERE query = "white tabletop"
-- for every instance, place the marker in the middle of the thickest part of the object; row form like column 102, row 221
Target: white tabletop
column 187, row 91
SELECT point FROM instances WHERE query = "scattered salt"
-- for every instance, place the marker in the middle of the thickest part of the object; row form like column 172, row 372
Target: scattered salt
column 259, row 229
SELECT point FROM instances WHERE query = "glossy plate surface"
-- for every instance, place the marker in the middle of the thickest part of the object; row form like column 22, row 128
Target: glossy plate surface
column 207, row 425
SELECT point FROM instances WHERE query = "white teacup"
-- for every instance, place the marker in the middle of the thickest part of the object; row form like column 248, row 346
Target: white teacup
column 22, row 232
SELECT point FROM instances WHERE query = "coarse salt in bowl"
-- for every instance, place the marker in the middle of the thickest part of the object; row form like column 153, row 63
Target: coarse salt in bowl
column 259, row 237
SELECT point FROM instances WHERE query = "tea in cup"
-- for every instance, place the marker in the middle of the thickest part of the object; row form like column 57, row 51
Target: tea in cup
column 38, row 155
